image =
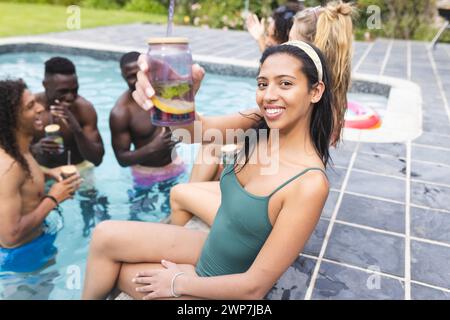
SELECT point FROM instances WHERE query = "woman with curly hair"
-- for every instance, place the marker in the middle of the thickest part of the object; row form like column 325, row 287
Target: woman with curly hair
column 24, row 246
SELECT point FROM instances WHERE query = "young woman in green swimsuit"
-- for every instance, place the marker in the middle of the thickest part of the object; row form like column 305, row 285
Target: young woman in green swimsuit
column 264, row 220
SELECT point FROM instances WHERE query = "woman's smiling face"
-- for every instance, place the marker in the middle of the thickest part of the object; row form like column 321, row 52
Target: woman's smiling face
column 283, row 95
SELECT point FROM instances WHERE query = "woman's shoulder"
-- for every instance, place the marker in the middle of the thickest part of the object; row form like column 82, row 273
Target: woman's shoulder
column 310, row 181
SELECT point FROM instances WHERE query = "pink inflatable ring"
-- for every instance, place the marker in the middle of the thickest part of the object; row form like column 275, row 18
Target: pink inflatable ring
column 360, row 117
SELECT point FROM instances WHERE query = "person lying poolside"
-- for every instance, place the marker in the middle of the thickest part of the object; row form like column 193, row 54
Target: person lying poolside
column 24, row 246
column 264, row 219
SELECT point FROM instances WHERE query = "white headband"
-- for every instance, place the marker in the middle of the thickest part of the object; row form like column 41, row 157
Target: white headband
column 310, row 52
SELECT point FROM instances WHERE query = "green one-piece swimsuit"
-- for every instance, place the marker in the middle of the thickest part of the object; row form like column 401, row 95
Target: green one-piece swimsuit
column 240, row 229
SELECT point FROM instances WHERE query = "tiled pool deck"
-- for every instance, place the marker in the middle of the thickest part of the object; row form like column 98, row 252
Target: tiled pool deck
column 385, row 230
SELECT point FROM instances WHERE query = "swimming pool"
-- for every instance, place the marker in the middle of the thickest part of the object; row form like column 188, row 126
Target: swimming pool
column 114, row 196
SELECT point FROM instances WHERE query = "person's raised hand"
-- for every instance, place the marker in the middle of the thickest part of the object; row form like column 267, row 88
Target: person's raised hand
column 61, row 110
column 144, row 90
column 65, row 189
column 255, row 27
column 46, row 145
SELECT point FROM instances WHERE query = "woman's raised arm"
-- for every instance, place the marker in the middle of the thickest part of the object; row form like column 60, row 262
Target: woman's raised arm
column 242, row 120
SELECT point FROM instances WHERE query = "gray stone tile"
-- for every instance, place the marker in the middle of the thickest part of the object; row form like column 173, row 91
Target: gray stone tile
column 342, row 154
column 430, row 102
column 330, row 204
column 430, row 224
column 430, row 195
column 314, row 243
column 294, row 282
column 380, row 164
column 433, row 139
column 374, row 185
column 436, row 173
column 434, row 115
column 430, row 264
column 419, row 292
column 430, row 154
column 371, row 68
column 373, row 213
column 341, row 158
column 393, row 149
column 335, row 176
column 340, row 282
column 398, row 73
column 365, row 248
column 436, row 127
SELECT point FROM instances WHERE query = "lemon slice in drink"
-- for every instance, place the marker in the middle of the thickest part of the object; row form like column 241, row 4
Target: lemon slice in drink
column 175, row 107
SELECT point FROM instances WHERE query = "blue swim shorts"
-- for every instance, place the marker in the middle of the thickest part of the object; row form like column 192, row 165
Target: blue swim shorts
column 29, row 257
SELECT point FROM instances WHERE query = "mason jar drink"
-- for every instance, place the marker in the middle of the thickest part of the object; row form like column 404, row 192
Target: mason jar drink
column 68, row 170
column 52, row 131
column 170, row 63
column 228, row 154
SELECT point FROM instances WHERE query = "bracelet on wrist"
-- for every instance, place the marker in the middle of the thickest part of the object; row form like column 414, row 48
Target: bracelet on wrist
column 57, row 207
column 172, row 287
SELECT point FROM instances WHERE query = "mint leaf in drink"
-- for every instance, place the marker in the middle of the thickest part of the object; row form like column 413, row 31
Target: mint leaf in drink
column 171, row 91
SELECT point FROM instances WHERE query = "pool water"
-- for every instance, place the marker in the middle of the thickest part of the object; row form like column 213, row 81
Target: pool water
column 113, row 195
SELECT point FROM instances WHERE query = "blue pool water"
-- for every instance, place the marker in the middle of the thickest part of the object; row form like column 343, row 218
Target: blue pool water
column 114, row 196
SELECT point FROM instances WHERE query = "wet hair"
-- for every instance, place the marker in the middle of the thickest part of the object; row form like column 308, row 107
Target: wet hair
column 330, row 28
column 59, row 65
column 129, row 58
column 283, row 20
column 321, row 122
column 11, row 92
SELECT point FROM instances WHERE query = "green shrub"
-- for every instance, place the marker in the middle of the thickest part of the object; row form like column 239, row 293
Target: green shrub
column 101, row 4
column 57, row 2
column 406, row 19
column 151, row 6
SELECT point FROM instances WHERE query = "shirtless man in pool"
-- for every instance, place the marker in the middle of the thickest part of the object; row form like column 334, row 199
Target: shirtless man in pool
column 23, row 203
column 75, row 115
column 152, row 160
column 130, row 124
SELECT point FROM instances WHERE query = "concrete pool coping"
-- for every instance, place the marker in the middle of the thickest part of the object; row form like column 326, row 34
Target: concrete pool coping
column 224, row 66
column 402, row 121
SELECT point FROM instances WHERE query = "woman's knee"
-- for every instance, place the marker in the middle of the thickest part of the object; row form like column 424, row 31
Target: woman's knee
column 104, row 235
column 176, row 194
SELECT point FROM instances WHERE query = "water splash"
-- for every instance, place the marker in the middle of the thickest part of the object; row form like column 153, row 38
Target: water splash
column 170, row 18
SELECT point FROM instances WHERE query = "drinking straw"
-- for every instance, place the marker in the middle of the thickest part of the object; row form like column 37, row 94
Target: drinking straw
column 170, row 18
column 68, row 157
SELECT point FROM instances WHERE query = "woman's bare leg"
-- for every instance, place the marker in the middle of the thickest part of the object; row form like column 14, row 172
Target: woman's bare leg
column 206, row 166
column 117, row 242
column 201, row 199
column 129, row 271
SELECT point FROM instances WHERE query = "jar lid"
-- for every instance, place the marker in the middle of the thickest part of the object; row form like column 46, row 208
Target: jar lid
column 172, row 40
column 69, row 169
column 229, row 148
column 52, row 128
